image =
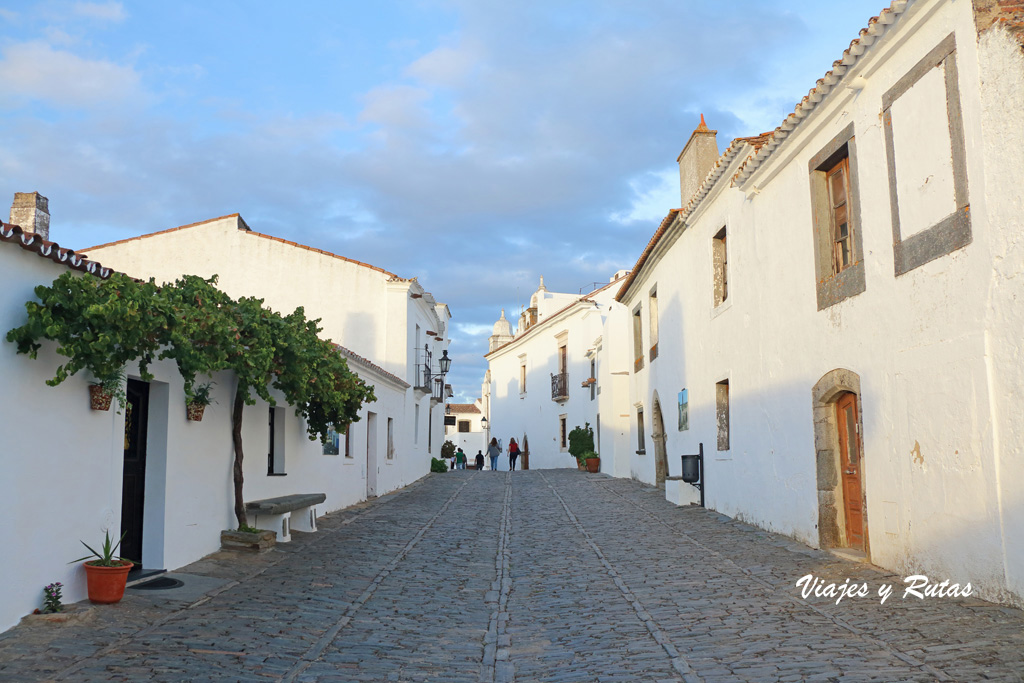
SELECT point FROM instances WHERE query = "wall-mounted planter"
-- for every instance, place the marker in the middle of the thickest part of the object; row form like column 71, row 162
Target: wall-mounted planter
column 99, row 399
column 194, row 411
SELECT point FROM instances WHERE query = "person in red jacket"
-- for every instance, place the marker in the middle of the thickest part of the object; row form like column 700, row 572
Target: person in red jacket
column 513, row 454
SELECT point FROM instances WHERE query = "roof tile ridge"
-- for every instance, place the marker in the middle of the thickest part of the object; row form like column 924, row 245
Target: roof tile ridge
column 30, row 241
column 161, row 232
column 321, row 251
column 876, row 28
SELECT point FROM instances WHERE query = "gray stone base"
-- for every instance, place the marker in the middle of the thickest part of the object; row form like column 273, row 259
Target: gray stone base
column 258, row 542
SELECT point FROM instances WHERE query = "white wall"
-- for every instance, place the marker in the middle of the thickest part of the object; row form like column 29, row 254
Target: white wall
column 534, row 414
column 920, row 342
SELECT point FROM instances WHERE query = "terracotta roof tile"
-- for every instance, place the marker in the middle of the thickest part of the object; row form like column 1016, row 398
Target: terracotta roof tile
column 352, row 355
column 13, row 234
column 464, row 409
column 248, row 231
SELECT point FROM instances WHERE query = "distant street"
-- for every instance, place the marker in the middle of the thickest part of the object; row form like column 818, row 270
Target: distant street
column 552, row 575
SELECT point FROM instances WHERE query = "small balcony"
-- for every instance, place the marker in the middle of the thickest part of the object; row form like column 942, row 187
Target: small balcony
column 560, row 387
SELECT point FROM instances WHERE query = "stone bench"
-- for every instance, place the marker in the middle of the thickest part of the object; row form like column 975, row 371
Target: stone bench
column 275, row 514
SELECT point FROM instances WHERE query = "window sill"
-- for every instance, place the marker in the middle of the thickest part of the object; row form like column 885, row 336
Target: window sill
column 721, row 308
column 277, row 474
column 641, row 452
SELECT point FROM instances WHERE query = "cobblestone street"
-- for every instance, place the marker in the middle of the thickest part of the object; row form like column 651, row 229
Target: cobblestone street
column 552, row 575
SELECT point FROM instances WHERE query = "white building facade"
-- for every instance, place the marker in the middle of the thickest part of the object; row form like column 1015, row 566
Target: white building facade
column 466, row 428
column 544, row 380
column 389, row 321
column 70, row 467
column 835, row 311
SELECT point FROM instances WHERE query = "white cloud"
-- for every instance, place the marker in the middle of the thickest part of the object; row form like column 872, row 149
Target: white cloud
column 654, row 193
column 446, row 66
column 37, row 71
column 103, row 11
column 396, row 106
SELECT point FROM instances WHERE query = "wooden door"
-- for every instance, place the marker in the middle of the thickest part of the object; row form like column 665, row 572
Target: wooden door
column 850, row 469
column 133, row 487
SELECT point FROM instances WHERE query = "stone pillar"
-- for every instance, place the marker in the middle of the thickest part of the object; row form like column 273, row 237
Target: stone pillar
column 30, row 211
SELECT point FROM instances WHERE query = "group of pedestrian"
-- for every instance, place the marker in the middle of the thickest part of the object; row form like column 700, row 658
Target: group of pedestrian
column 493, row 451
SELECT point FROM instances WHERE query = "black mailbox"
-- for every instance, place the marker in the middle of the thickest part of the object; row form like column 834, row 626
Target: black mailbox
column 691, row 469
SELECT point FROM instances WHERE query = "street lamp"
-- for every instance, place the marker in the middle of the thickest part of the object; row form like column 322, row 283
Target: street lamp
column 447, row 408
column 483, row 422
column 445, row 362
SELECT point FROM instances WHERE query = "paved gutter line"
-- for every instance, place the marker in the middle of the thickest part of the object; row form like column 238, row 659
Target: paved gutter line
column 496, row 664
column 679, row 663
column 317, row 649
column 121, row 642
column 838, row 621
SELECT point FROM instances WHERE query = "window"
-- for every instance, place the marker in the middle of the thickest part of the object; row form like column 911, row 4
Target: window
column 463, row 426
column 593, row 376
column 722, row 413
column 652, row 314
column 720, row 258
column 638, row 341
column 839, row 265
column 640, row 450
column 597, row 434
column 275, row 442
column 333, row 444
column 348, row 442
column 391, row 439
column 416, row 425
column 522, row 374
column 563, row 435
column 563, row 358
column 838, row 182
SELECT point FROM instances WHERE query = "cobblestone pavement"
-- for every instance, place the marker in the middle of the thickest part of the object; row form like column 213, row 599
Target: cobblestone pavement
column 548, row 575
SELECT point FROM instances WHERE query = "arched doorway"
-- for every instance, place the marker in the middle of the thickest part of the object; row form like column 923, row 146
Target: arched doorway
column 525, row 455
column 658, row 436
column 839, row 452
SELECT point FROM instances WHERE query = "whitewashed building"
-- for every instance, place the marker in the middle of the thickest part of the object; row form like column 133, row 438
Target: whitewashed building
column 466, row 428
column 389, row 321
column 81, row 472
column 835, row 313
column 543, row 381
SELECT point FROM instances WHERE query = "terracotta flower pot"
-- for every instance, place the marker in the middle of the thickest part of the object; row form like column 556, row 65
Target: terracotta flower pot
column 593, row 464
column 194, row 411
column 106, row 584
column 98, row 398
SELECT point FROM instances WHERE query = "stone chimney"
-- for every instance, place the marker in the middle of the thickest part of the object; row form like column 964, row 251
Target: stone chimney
column 31, row 212
column 696, row 161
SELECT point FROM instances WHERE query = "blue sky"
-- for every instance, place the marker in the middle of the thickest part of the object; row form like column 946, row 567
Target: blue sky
column 474, row 144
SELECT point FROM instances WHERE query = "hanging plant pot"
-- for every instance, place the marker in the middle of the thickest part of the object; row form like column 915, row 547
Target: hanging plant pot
column 99, row 398
column 194, row 411
column 106, row 584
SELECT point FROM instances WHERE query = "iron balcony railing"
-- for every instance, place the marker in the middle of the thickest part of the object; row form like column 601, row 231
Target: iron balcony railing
column 560, row 386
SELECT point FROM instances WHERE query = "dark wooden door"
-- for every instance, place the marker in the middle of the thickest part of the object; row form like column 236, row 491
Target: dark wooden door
column 850, row 469
column 133, row 490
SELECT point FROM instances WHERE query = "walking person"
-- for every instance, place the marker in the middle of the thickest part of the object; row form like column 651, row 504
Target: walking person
column 513, row 454
column 479, row 459
column 460, row 459
column 493, row 451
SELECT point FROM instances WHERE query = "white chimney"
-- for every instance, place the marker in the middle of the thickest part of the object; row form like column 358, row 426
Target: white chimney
column 696, row 161
column 31, row 212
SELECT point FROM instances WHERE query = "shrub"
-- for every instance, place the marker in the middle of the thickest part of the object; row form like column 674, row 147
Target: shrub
column 581, row 440
column 448, row 450
column 438, row 465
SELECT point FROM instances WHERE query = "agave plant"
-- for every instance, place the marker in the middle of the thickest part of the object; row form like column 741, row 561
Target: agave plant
column 107, row 558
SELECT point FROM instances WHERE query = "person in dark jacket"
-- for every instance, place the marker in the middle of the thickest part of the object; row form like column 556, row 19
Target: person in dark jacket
column 479, row 460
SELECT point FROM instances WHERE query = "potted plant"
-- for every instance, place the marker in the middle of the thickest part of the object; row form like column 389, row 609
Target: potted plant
column 107, row 574
column 581, row 441
column 592, row 461
column 104, row 390
column 197, row 400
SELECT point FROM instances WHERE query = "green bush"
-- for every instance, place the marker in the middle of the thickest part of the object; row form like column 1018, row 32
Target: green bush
column 581, row 440
column 438, row 465
column 448, row 450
